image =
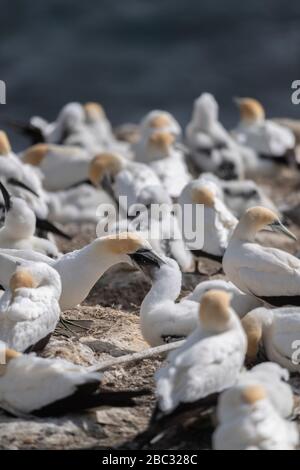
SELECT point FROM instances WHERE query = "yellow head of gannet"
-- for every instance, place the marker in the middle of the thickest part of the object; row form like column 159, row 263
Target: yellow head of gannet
column 258, row 218
column 93, row 111
column 104, row 163
column 5, row 147
column 251, row 110
column 253, row 394
column 21, row 278
column 215, row 310
column 253, row 330
column 160, row 121
column 36, row 154
column 10, row 354
column 161, row 141
column 203, row 196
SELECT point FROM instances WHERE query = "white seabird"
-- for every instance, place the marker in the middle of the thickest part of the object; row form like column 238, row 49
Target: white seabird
column 31, row 385
column 248, row 421
column 276, row 332
column 29, row 308
column 18, row 231
column 269, row 139
column 270, row 274
column 80, row 269
column 209, row 361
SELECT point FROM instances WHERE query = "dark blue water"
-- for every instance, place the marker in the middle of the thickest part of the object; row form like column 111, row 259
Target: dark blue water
column 140, row 54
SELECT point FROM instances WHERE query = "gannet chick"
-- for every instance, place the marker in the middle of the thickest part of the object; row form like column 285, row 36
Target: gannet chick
column 81, row 269
column 20, row 226
column 121, row 177
column 218, row 221
column 168, row 163
column 62, row 166
column 240, row 302
column 52, row 387
column 276, row 332
column 29, row 308
column 248, row 421
column 209, row 361
column 270, row 274
column 267, row 138
column 211, row 147
column 275, row 381
column 162, row 320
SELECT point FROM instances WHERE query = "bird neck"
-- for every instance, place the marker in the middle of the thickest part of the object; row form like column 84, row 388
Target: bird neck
column 244, row 232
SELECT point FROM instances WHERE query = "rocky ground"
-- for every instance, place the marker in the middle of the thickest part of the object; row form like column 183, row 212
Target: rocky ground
column 111, row 329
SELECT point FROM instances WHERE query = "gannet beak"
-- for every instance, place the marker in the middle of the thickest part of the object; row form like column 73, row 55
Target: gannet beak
column 277, row 226
column 145, row 258
column 6, row 197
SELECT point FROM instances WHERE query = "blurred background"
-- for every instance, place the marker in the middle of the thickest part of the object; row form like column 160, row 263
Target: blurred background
column 136, row 55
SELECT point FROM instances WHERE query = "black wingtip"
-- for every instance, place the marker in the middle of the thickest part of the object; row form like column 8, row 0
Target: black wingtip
column 6, row 197
column 47, row 226
column 22, row 185
column 29, row 130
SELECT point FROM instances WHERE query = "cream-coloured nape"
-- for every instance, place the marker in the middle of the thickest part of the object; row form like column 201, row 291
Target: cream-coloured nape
column 251, row 110
column 36, row 154
column 10, row 354
column 104, row 162
column 253, row 393
column 203, row 196
column 160, row 121
column 94, row 110
column 5, row 147
column 22, row 278
column 123, row 243
column 161, row 140
column 253, row 330
column 214, row 310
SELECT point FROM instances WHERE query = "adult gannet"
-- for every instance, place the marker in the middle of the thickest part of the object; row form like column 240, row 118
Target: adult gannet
column 276, row 331
column 62, row 166
column 248, row 421
column 20, row 226
column 29, row 308
column 218, row 221
column 275, row 381
column 161, row 318
column 80, row 269
column 270, row 274
column 52, row 387
column 211, row 147
column 168, row 163
column 240, row 302
column 267, row 138
column 209, row 361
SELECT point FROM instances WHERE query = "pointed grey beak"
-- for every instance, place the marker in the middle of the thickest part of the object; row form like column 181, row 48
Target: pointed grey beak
column 277, row 226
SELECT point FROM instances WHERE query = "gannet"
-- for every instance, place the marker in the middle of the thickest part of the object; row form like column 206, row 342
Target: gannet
column 168, row 163
column 52, row 387
column 29, row 308
column 80, row 269
column 276, row 332
column 248, row 421
column 270, row 274
column 211, row 147
column 275, row 381
column 218, row 221
column 61, row 166
column 240, row 302
column 267, row 138
column 161, row 318
column 20, row 226
column 209, row 361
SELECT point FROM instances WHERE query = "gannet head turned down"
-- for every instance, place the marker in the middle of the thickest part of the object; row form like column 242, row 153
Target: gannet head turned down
column 253, row 393
column 36, row 154
column 22, row 278
column 258, row 218
column 203, row 195
column 132, row 245
column 5, row 147
column 253, row 329
column 251, row 110
column 104, row 163
column 93, row 112
column 161, row 141
column 215, row 310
